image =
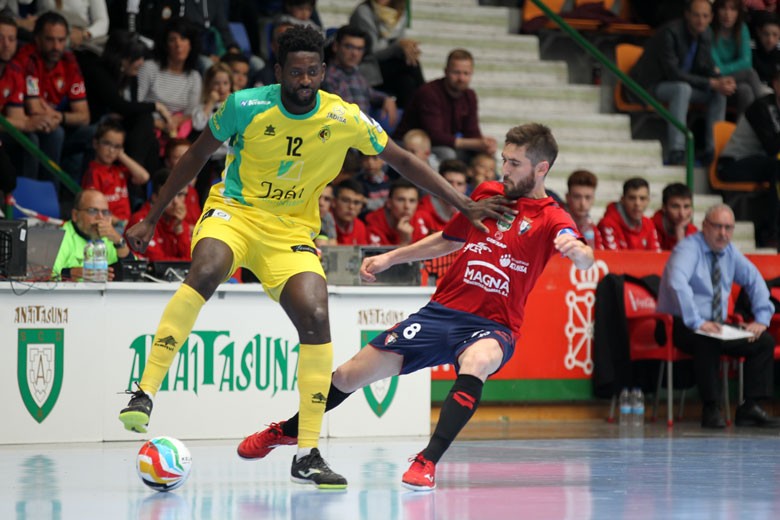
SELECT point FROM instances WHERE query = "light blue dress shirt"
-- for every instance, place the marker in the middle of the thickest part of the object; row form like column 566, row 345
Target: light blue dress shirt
column 686, row 286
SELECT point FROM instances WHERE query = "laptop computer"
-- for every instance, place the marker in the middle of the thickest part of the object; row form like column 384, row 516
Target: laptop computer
column 43, row 244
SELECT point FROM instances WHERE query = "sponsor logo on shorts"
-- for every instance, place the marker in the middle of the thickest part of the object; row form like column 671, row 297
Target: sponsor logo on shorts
column 303, row 248
column 391, row 338
column 215, row 213
column 487, row 276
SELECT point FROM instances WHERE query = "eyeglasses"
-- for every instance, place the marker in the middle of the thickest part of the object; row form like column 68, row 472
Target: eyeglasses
column 726, row 227
column 111, row 145
column 350, row 202
column 94, row 212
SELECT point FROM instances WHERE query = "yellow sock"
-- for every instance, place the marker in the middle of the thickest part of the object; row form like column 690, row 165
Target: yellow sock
column 315, row 364
column 176, row 323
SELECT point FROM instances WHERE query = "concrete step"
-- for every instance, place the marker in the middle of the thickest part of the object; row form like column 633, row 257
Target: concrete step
column 567, row 99
column 595, row 126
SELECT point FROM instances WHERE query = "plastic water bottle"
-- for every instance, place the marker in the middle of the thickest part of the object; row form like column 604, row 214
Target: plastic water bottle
column 101, row 262
column 638, row 407
column 625, row 407
column 89, row 262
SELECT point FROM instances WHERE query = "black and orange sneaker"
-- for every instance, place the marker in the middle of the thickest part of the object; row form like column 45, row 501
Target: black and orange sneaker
column 421, row 475
column 260, row 444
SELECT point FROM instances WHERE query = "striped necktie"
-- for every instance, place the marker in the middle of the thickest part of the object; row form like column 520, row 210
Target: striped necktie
column 717, row 303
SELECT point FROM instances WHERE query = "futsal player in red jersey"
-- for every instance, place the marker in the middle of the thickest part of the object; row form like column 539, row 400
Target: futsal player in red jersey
column 474, row 317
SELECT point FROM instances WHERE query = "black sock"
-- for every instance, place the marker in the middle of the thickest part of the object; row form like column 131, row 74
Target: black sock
column 335, row 398
column 458, row 407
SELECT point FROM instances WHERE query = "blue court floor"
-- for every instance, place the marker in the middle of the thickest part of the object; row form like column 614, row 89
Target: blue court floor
column 583, row 470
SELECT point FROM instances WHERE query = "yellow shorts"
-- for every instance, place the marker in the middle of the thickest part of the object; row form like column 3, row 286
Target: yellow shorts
column 273, row 248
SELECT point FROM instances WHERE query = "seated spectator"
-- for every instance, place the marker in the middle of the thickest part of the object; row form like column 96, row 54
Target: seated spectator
column 625, row 226
column 673, row 220
column 110, row 170
column 483, row 168
column 328, row 235
column 172, row 79
column 174, row 149
column 677, row 68
column 347, row 204
column 695, row 289
column 392, row 64
column 397, row 223
column 376, row 182
column 239, row 69
column 90, row 220
column 419, row 144
column 579, row 201
column 436, row 212
column 446, row 109
column 732, row 55
column 217, row 86
column 299, row 12
column 267, row 76
column 172, row 238
column 766, row 55
column 88, row 20
column 343, row 77
column 752, row 155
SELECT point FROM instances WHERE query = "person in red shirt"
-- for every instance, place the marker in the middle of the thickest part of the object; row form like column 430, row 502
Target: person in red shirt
column 673, row 221
column 110, row 170
column 474, row 317
column 174, row 149
column 172, row 238
column 625, row 225
column 579, row 200
column 347, row 203
column 434, row 211
column 397, row 223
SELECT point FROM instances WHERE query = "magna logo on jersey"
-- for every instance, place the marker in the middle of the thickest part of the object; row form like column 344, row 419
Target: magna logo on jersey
column 486, row 276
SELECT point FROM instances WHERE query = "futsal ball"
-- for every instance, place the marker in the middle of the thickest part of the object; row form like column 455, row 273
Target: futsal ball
column 163, row 463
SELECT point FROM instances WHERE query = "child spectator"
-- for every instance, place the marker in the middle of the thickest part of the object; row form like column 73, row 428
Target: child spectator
column 579, row 201
column 483, row 168
column 299, row 12
column 625, row 225
column 673, row 220
column 418, row 142
column 217, row 86
column 174, row 149
column 766, row 55
column 436, row 212
column 376, row 182
column 109, row 171
column 239, row 68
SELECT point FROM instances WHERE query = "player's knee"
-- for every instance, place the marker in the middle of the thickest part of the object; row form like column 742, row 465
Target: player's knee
column 480, row 362
column 313, row 322
column 343, row 381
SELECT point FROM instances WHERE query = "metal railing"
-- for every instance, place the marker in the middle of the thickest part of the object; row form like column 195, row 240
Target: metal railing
column 632, row 85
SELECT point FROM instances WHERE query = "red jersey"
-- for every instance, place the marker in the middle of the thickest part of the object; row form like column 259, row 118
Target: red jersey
column 166, row 245
column 618, row 236
column 381, row 234
column 111, row 180
column 668, row 240
column 60, row 86
column 495, row 272
column 427, row 211
column 357, row 236
column 11, row 86
column 193, row 206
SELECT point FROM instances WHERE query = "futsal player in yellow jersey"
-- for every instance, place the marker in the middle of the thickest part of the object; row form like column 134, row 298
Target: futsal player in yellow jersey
column 288, row 141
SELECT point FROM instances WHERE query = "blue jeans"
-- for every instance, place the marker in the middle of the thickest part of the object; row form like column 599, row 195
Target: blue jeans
column 679, row 95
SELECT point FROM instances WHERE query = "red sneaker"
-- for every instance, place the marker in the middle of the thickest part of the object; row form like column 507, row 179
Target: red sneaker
column 260, row 444
column 421, row 475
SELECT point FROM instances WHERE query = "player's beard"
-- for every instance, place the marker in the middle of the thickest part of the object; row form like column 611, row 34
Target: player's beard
column 522, row 188
column 303, row 103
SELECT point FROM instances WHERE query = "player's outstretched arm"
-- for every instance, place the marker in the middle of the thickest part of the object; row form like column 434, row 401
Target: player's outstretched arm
column 186, row 169
column 432, row 246
column 575, row 250
column 411, row 167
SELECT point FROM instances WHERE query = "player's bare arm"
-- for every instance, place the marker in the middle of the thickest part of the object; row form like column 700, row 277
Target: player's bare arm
column 432, row 246
column 414, row 169
column 186, row 169
column 575, row 250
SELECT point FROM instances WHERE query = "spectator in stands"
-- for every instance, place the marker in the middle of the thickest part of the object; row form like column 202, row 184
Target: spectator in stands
column 397, row 223
column 343, row 77
column 732, row 54
column 299, row 12
column 695, row 289
column 171, row 78
column 673, row 220
column 111, row 169
column 766, row 55
column 55, row 87
column 677, row 68
column 173, row 234
column 752, row 155
column 625, row 225
column 483, row 168
column 392, row 62
column 88, row 20
column 217, row 86
column 239, row 68
column 579, row 201
column 347, row 204
column 375, row 180
column 267, row 76
column 174, row 149
column 446, row 109
column 436, row 212
column 112, row 82
column 90, row 220
column 328, row 235
column 419, row 144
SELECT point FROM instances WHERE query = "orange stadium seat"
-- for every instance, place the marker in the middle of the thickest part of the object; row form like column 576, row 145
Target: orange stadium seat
column 722, row 131
column 626, row 56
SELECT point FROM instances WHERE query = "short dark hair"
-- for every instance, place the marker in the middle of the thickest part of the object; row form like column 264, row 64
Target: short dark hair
column 349, row 184
column 453, row 165
column 7, row 20
column 538, row 140
column 676, row 189
column 173, row 143
column 350, row 30
column 634, row 183
column 230, row 58
column 122, row 45
column 159, row 179
column 459, row 54
column 582, row 178
column 300, row 38
column 109, row 124
column 401, row 184
column 49, row 18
